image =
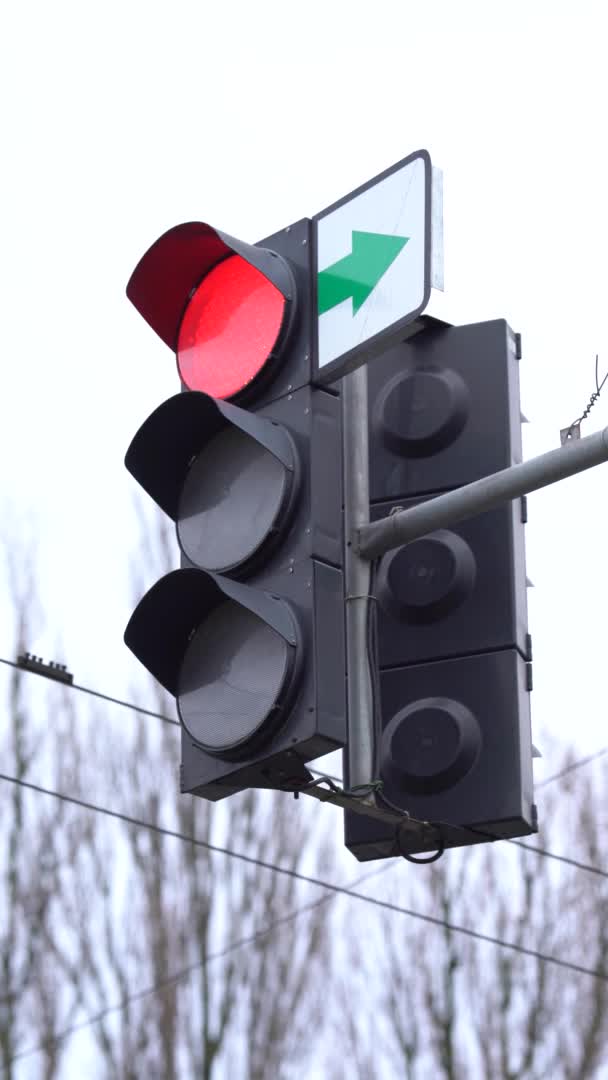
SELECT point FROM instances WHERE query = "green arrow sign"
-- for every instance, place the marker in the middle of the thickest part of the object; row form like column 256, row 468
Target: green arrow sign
column 357, row 274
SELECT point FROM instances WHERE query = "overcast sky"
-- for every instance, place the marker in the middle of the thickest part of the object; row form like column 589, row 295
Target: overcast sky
column 122, row 119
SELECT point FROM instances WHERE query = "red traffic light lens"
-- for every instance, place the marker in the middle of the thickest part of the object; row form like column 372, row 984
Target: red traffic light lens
column 229, row 329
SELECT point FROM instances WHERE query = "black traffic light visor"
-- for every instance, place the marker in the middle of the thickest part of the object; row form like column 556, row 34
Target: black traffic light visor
column 163, row 449
column 227, row 652
column 162, row 283
column 162, row 623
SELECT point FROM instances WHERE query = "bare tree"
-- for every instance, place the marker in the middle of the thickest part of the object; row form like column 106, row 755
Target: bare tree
column 445, row 1005
column 169, row 906
column 34, row 999
column 145, row 906
column 191, row 964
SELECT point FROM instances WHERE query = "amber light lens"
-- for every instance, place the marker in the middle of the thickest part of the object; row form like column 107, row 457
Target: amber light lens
column 229, row 329
column 231, row 679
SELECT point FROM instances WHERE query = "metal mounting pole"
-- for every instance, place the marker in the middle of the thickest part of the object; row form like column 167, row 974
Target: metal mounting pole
column 465, row 502
column 357, row 574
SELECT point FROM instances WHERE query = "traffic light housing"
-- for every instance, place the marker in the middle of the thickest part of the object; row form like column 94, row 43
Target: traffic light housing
column 237, row 316
column 453, row 740
column 248, row 634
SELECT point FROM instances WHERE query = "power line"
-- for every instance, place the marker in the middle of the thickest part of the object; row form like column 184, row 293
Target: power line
column 126, row 704
column 186, row 837
column 330, row 886
column 98, row 694
column 170, row 980
column 161, row 716
column 518, row 843
column 560, row 858
column 574, row 765
column 169, row 720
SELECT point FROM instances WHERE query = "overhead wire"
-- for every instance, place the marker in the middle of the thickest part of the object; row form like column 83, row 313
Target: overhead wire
column 344, row 890
column 234, row 946
column 518, row 843
column 171, row 980
column 332, row 888
column 592, row 400
column 329, row 886
column 96, row 693
column 170, row 720
column 572, row 767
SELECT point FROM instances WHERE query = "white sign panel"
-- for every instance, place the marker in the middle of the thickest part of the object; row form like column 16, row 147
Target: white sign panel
column 373, row 261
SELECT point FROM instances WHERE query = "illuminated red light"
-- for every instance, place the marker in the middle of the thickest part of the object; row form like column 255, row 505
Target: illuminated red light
column 229, row 329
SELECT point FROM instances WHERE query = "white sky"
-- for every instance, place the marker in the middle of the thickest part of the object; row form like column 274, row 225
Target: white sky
column 122, row 119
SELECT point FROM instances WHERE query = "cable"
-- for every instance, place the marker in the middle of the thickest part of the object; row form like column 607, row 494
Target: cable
column 330, row 886
column 560, row 858
column 438, row 825
column 575, row 765
column 170, row 980
column 373, row 786
column 316, row 772
column 489, row 836
column 97, row 693
column 143, row 824
column 126, row 704
column 359, row 791
column 592, row 400
column 416, row 859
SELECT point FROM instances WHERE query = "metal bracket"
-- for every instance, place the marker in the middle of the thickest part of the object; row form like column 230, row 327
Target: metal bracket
column 368, row 807
column 568, row 433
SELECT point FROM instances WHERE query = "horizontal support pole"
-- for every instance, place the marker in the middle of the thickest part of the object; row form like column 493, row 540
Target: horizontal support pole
column 373, row 540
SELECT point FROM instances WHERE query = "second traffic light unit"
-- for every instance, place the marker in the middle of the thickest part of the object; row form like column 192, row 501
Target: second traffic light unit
column 453, row 741
column 248, row 636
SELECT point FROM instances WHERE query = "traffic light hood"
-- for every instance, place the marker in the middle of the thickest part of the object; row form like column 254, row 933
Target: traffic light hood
column 164, row 279
column 163, row 622
column 163, row 449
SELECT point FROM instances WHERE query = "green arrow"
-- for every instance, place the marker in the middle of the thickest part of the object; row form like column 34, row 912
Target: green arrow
column 358, row 274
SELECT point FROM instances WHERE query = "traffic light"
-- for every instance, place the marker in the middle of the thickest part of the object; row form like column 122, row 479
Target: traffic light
column 453, row 740
column 248, row 634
